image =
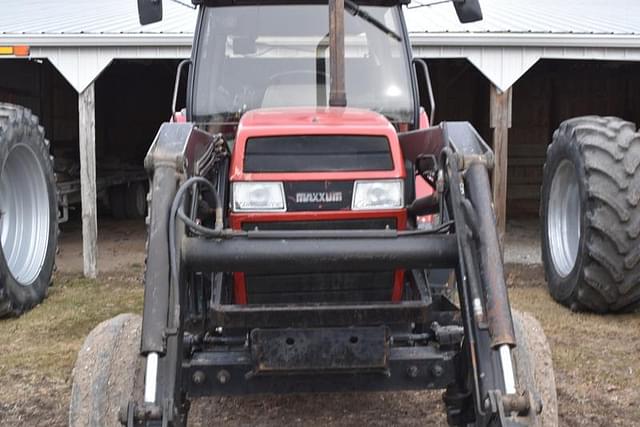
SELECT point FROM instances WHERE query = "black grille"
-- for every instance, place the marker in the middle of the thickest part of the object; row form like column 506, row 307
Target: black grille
column 317, row 286
column 317, row 153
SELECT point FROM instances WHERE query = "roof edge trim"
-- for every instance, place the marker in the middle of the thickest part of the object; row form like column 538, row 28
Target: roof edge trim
column 526, row 40
column 417, row 39
column 98, row 40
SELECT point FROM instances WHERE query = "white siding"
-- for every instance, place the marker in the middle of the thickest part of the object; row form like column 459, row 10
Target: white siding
column 82, row 65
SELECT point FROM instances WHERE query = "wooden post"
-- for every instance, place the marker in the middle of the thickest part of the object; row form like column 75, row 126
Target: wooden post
column 500, row 122
column 87, row 132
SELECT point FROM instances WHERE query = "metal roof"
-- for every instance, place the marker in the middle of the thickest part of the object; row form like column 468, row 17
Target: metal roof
column 85, row 22
column 587, row 23
column 81, row 37
column 604, row 17
column 115, row 22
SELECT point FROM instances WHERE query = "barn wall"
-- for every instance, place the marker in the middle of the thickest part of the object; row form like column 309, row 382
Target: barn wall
column 132, row 99
column 553, row 91
column 461, row 93
column 38, row 86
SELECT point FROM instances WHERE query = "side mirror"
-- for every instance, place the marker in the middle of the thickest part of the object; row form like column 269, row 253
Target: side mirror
column 468, row 10
column 149, row 11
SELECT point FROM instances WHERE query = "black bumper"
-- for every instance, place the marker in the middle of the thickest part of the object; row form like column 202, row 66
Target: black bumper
column 243, row 371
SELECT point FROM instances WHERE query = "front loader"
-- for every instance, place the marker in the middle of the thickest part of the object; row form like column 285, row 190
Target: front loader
column 311, row 231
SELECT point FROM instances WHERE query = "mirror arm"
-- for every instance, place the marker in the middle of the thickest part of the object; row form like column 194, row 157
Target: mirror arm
column 176, row 87
column 427, row 76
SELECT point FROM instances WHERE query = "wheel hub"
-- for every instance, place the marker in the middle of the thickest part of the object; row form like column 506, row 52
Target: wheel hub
column 563, row 218
column 24, row 214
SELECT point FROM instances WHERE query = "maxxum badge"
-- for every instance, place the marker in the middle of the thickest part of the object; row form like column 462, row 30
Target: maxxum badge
column 319, row 197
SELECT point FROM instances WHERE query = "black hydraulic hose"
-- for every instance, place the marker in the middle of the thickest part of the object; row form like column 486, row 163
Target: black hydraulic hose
column 425, row 205
column 178, row 210
column 451, row 162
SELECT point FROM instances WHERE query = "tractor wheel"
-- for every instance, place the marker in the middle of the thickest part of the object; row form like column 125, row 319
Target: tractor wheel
column 534, row 370
column 117, row 201
column 136, row 200
column 109, row 372
column 28, row 211
column 591, row 214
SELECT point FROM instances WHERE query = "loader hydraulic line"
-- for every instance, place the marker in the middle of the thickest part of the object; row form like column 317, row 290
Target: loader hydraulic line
column 472, row 218
column 465, row 281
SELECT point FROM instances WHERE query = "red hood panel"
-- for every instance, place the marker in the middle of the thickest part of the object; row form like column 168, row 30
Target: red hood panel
column 314, row 121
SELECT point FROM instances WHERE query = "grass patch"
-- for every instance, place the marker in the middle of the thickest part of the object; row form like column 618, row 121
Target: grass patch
column 595, row 348
column 46, row 339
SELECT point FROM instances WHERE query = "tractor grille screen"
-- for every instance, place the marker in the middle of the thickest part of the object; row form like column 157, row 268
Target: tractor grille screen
column 317, row 153
column 318, row 286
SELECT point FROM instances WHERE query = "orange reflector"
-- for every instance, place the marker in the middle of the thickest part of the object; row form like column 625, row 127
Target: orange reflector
column 15, row 50
column 21, row 50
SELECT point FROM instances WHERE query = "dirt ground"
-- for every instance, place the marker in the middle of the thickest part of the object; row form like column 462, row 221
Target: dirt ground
column 596, row 359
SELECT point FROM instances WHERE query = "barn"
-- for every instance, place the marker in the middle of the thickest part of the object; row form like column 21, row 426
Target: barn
column 102, row 84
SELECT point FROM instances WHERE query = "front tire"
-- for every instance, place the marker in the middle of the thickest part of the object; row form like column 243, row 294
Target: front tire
column 534, row 369
column 109, row 372
column 28, row 211
column 590, row 214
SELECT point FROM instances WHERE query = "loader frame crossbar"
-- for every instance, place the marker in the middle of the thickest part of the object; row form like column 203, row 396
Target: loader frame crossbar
column 258, row 255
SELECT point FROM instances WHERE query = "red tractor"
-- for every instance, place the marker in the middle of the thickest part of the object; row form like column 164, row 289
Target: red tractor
column 308, row 231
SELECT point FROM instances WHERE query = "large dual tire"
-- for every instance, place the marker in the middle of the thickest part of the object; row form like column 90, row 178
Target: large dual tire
column 109, row 372
column 590, row 214
column 28, row 211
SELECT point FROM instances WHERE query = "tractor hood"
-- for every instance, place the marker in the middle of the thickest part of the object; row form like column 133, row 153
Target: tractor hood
column 278, row 135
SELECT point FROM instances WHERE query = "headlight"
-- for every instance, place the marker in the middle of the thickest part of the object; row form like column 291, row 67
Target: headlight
column 258, row 197
column 371, row 195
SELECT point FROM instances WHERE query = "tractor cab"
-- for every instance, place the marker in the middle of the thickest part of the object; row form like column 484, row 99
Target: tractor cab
column 305, row 155
column 256, row 56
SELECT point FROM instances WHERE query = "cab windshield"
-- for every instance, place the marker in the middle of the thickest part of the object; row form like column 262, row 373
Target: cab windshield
column 253, row 57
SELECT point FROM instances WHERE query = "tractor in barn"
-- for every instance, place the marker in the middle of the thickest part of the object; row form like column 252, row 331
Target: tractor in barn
column 311, row 231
